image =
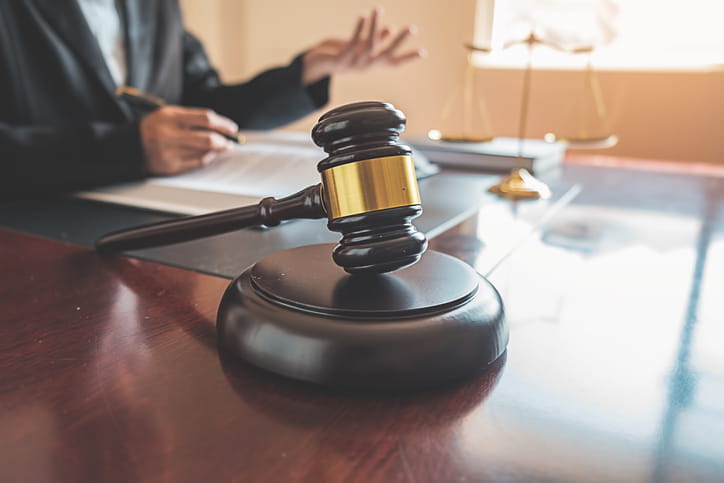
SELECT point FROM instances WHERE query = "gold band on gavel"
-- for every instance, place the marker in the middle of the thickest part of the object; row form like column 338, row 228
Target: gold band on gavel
column 370, row 185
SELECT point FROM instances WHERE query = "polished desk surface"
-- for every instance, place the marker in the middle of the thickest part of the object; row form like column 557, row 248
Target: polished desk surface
column 615, row 371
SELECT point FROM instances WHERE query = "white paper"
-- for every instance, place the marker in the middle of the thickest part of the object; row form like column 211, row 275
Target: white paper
column 273, row 163
column 258, row 169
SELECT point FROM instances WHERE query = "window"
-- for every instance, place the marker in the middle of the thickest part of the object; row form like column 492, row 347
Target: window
column 625, row 34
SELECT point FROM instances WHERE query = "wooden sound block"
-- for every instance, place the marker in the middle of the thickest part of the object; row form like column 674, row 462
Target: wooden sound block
column 297, row 314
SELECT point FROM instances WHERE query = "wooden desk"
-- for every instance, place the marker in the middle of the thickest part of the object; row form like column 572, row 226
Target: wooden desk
column 109, row 369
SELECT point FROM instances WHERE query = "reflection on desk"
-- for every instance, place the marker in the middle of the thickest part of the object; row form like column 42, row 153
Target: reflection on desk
column 109, row 369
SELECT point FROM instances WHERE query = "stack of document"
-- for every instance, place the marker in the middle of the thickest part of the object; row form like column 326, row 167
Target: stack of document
column 274, row 163
column 265, row 165
column 498, row 155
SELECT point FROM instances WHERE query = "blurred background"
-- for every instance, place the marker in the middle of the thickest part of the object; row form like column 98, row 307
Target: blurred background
column 658, row 63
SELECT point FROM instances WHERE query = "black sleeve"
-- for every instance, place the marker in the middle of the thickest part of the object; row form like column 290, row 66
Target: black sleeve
column 51, row 159
column 271, row 99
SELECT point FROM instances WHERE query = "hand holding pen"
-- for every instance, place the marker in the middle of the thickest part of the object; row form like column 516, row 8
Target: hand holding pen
column 177, row 139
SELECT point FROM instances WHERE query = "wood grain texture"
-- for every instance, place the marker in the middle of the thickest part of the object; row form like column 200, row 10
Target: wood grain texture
column 109, row 369
column 110, row 373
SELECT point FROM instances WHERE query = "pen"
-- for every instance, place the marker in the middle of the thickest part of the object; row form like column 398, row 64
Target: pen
column 147, row 101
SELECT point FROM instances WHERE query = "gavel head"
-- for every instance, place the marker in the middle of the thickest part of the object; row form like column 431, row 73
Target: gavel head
column 369, row 187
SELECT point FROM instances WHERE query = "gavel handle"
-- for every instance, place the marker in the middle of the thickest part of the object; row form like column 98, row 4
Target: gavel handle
column 269, row 211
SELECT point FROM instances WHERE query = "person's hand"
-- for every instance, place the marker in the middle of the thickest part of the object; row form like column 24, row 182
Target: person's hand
column 370, row 45
column 177, row 139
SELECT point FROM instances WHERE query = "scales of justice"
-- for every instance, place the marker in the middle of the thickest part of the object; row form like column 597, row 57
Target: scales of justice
column 520, row 184
column 376, row 310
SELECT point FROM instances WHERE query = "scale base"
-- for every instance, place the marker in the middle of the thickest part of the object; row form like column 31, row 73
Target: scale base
column 297, row 314
column 520, row 185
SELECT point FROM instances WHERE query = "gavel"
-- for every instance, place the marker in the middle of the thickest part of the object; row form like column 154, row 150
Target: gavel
column 297, row 314
column 368, row 193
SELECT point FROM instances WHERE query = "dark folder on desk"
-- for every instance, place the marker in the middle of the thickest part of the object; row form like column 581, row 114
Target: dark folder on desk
column 83, row 221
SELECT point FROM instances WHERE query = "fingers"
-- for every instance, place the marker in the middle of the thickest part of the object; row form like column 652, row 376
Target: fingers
column 176, row 139
column 365, row 47
column 350, row 53
column 181, row 160
column 332, row 45
column 199, row 140
column 385, row 32
column 372, row 34
column 389, row 52
column 406, row 57
column 182, row 164
column 205, row 118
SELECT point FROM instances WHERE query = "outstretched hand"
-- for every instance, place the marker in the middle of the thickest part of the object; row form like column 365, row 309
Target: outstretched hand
column 370, row 45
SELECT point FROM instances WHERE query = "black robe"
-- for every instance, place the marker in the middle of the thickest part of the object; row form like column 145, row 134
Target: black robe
column 61, row 125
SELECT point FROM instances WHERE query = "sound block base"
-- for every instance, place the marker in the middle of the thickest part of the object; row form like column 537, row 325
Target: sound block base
column 297, row 314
